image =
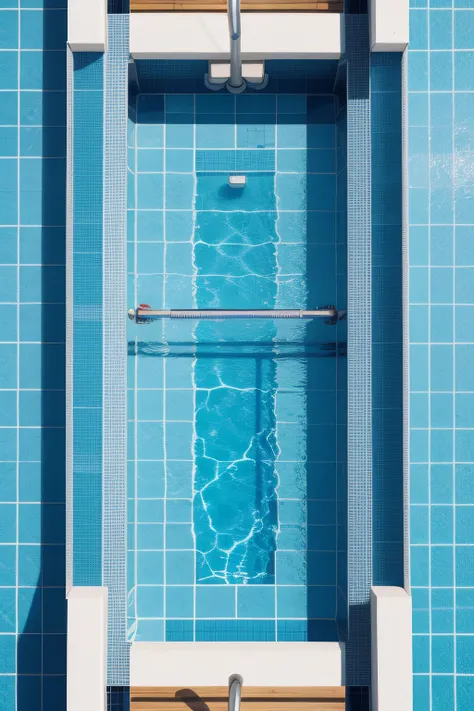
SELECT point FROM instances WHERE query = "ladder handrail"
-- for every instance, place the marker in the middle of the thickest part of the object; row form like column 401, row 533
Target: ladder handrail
column 235, row 692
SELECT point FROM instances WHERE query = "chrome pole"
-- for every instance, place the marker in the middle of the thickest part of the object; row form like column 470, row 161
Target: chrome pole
column 145, row 314
column 235, row 692
column 236, row 81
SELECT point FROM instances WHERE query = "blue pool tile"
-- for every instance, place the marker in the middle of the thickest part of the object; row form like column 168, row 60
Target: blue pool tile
column 419, row 524
column 464, row 370
column 419, row 410
column 441, row 449
column 150, row 631
column 150, row 536
column 418, row 367
column 441, row 524
column 150, row 567
column 42, row 70
column 150, row 440
column 179, row 440
column 150, row 161
column 180, row 405
column 419, row 445
column 259, row 132
column 179, row 192
column 210, row 134
column 30, row 608
column 463, row 71
column 442, row 693
column 465, row 611
column 179, row 479
column 180, row 131
column 464, row 410
column 179, row 161
column 150, row 260
column 464, row 445
column 150, row 136
column 8, row 70
column 291, row 103
column 441, row 566
column 463, row 29
column 441, row 71
column 418, row 71
column 421, row 691
column 215, row 104
column 419, row 483
column 8, row 141
column 9, row 30
column 179, row 536
column 465, row 654
column 150, row 226
column 235, row 630
column 8, row 523
column 178, row 511
column 441, row 35
column 464, row 246
column 29, row 565
column 180, row 568
column 8, row 481
column 441, row 410
column 150, row 109
column 464, row 524
column 421, row 654
column 150, row 405
column 442, row 654
column 179, row 226
column 151, row 510
column 150, row 601
column 441, row 483
column 8, row 607
column 292, row 135
column 256, row 103
column 464, row 484
column 255, row 601
column 292, row 161
column 215, row 601
column 419, row 563
column 292, row 601
column 179, row 103
column 418, row 29
column 179, row 601
column 441, row 285
column 179, row 630
column 150, row 191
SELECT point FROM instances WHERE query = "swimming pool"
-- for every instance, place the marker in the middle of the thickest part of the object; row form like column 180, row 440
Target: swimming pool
column 237, row 430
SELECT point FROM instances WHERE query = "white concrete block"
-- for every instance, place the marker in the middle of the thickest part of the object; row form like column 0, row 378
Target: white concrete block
column 87, row 649
column 389, row 25
column 205, row 35
column 391, row 610
column 87, row 25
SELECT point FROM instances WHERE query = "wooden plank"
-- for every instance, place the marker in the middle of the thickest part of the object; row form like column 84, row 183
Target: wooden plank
column 248, row 692
column 198, row 705
column 247, row 5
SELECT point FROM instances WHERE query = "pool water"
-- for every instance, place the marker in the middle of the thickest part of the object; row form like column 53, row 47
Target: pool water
column 237, row 444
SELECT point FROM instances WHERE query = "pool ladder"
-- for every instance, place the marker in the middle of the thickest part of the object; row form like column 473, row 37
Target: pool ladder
column 235, row 692
column 145, row 314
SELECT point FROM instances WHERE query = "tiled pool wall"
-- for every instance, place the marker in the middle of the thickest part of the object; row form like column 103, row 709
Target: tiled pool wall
column 441, row 257
column 187, row 233
column 32, row 354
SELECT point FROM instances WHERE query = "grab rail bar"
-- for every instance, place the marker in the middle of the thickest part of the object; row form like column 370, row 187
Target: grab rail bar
column 145, row 314
column 236, row 80
column 235, row 692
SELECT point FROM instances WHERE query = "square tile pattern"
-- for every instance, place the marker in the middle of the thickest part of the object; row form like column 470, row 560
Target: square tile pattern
column 441, row 263
column 181, row 150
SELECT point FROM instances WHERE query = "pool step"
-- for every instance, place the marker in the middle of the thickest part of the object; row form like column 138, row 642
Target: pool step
column 254, row 698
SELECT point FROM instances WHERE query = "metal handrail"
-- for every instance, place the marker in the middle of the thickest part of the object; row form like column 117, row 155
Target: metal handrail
column 235, row 692
column 236, row 80
column 145, row 314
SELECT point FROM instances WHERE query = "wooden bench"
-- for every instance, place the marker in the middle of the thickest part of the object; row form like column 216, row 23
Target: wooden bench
column 254, row 698
column 246, row 5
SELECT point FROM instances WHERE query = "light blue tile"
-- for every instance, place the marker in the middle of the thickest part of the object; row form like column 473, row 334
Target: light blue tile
column 441, row 410
column 419, row 367
column 421, row 691
column 441, row 71
column 465, row 286
column 420, row 622
column 150, row 440
column 178, row 511
column 421, row 654
column 8, row 523
column 150, row 567
column 179, row 226
column 418, row 71
column 8, row 70
column 464, row 370
column 179, row 601
column 441, row 34
column 441, row 285
column 214, row 135
column 8, row 481
column 292, row 135
column 150, row 161
column 291, row 568
column 463, row 29
column 442, row 693
column 179, row 260
column 441, row 566
column 179, row 161
column 441, row 483
column 180, row 405
column 180, row 133
column 150, row 136
column 9, row 108
column 179, row 192
column 150, row 536
column 418, row 29
column 255, row 601
column 150, row 226
column 179, row 479
column 419, row 483
column 419, row 324
column 292, row 161
column 8, row 189
column 419, row 410
column 150, row 259
column 180, row 568
column 419, row 285
column 179, row 439
column 464, row 524
column 464, row 654
column 179, row 536
column 7, row 653
column 150, row 601
column 419, row 565
column 464, row 324
column 419, row 524
column 442, row 654
column 150, row 405
column 441, row 326
column 464, row 410
column 441, row 524
column 9, row 30
column 42, row 70
column 418, row 114
column 150, row 631
column 418, row 206
column 465, row 690
column 43, row 30
column 441, row 445
column 464, row 611
column 8, row 564
column 292, row 601
column 214, row 602
column 8, row 141
column 150, row 191
column 291, row 190
column 150, row 510
column 463, row 71
column 465, row 484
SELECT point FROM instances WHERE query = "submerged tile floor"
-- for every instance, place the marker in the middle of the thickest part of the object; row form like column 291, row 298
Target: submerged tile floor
column 236, row 456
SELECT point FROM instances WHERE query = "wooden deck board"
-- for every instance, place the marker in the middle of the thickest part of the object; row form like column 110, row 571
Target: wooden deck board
column 214, row 698
column 246, row 6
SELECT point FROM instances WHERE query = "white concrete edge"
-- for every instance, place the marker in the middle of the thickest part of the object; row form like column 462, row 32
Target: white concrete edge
column 391, row 610
column 389, row 25
column 259, row 663
column 87, row 25
column 205, row 35
column 87, row 648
